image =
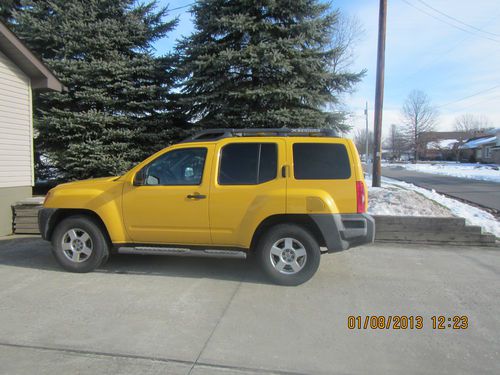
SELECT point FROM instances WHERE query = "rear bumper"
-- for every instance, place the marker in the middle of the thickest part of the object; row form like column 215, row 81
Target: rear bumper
column 341, row 232
column 45, row 220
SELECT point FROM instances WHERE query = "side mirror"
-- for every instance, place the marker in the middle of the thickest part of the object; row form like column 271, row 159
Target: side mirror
column 139, row 178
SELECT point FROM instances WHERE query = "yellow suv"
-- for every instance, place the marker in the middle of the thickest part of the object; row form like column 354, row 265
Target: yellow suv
column 286, row 195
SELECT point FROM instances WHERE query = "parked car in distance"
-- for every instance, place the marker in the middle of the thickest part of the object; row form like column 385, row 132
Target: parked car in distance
column 286, row 196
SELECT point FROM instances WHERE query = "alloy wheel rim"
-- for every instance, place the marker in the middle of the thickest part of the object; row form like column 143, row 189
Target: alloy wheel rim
column 77, row 246
column 288, row 256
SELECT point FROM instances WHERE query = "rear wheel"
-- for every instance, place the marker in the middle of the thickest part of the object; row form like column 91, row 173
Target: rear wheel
column 289, row 254
column 79, row 244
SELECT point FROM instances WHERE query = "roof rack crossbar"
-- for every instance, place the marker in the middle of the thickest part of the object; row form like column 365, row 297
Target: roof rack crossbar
column 215, row 134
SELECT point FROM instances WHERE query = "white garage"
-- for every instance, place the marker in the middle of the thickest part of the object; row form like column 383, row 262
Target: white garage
column 20, row 73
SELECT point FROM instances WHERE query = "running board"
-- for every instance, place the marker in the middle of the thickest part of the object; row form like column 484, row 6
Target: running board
column 212, row 253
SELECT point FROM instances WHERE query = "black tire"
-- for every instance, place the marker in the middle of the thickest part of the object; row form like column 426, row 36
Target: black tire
column 97, row 242
column 300, row 237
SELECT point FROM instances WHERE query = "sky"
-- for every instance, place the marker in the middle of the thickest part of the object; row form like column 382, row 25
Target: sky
column 451, row 52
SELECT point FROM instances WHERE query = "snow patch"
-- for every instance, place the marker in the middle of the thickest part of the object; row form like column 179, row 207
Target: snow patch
column 399, row 198
column 391, row 200
column 462, row 170
column 475, row 143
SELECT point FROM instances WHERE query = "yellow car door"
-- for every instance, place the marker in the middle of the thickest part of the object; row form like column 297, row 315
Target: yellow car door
column 248, row 187
column 167, row 202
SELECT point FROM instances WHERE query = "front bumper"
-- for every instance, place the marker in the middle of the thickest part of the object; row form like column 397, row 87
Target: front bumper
column 45, row 222
column 341, row 232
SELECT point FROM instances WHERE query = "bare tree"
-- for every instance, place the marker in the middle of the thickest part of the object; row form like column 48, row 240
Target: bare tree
column 347, row 33
column 360, row 141
column 395, row 142
column 472, row 124
column 419, row 116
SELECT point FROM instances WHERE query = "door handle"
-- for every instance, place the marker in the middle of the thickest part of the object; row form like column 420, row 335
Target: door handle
column 196, row 196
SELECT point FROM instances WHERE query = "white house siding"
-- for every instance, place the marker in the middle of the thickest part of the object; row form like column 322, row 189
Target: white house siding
column 16, row 131
column 16, row 135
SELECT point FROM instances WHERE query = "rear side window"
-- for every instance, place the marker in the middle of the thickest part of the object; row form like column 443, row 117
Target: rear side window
column 320, row 161
column 248, row 163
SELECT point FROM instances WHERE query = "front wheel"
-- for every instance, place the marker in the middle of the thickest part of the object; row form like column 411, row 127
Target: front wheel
column 79, row 245
column 289, row 254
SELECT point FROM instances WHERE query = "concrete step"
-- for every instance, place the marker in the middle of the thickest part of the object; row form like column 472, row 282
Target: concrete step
column 430, row 230
column 27, row 231
column 420, row 221
column 427, row 227
column 26, row 212
column 451, row 243
column 26, row 226
column 419, row 235
column 25, row 216
column 26, row 220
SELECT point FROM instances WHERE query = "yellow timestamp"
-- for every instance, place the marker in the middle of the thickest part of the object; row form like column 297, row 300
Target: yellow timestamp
column 453, row 322
column 406, row 322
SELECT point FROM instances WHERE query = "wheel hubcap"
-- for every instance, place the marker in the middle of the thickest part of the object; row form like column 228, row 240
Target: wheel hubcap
column 288, row 255
column 77, row 245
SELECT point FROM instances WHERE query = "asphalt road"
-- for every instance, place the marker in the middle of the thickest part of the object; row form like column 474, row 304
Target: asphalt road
column 168, row 315
column 482, row 193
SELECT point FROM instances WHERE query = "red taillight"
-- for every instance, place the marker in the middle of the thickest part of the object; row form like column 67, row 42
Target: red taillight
column 360, row 197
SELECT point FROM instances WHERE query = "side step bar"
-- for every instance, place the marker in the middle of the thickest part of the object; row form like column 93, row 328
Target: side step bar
column 211, row 253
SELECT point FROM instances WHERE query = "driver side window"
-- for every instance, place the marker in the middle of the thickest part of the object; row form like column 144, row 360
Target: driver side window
column 177, row 167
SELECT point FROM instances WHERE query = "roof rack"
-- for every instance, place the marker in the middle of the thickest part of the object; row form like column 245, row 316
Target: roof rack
column 215, row 134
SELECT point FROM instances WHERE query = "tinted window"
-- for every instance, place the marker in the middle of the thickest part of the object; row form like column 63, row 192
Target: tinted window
column 177, row 167
column 268, row 162
column 320, row 161
column 248, row 163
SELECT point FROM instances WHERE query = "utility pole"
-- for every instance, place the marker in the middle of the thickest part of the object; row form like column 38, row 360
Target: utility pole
column 366, row 139
column 379, row 94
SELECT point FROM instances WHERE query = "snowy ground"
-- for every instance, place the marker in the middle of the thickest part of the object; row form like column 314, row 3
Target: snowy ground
column 400, row 198
column 463, row 170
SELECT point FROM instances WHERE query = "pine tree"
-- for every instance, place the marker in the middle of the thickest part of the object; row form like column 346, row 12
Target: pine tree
column 7, row 7
column 114, row 112
column 263, row 63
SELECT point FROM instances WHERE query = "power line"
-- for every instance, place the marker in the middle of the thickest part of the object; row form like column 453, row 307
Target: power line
column 182, row 7
column 481, row 102
column 446, row 52
column 456, row 19
column 469, row 96
column 449, row 23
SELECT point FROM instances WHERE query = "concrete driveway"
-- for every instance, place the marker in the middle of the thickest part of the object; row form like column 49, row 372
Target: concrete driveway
column 168, row 315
